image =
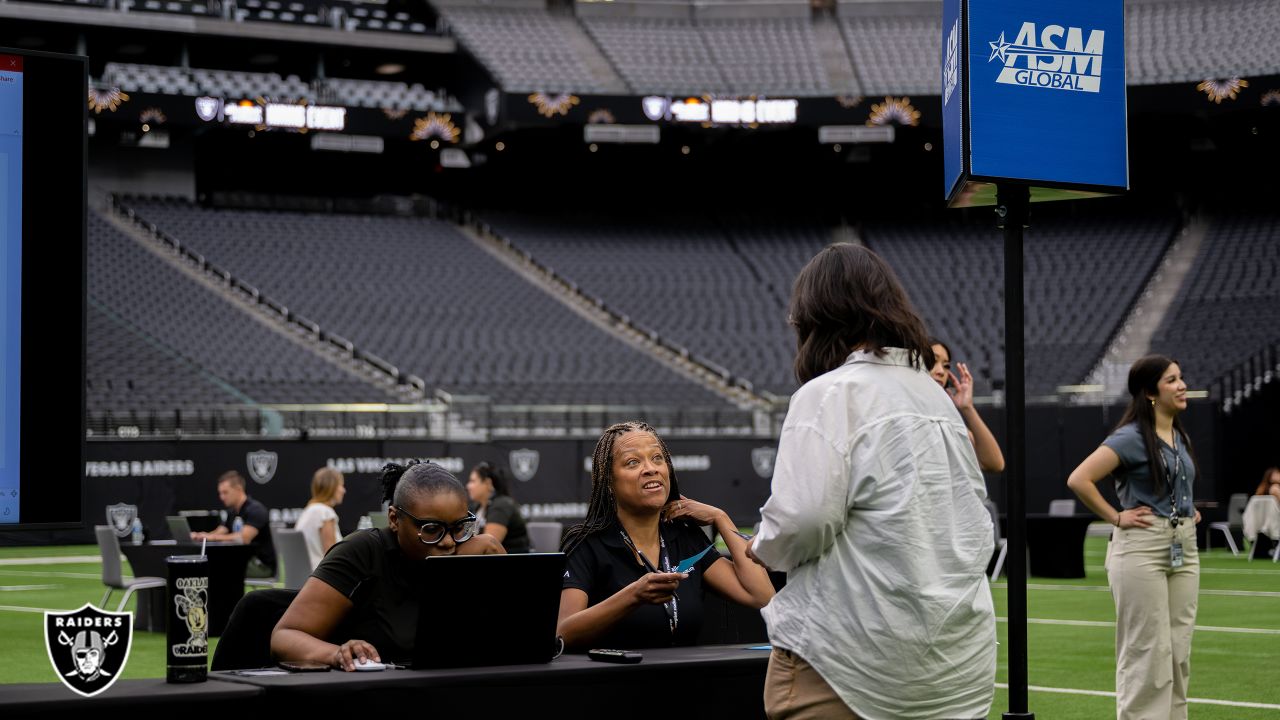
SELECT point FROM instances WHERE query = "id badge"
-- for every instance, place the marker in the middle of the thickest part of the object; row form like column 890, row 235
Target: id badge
column 1175, row 555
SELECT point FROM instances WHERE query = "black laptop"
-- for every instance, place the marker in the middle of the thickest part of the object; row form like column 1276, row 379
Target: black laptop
column 505, row 612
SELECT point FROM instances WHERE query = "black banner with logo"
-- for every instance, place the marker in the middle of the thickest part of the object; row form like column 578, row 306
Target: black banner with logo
column 550, row 478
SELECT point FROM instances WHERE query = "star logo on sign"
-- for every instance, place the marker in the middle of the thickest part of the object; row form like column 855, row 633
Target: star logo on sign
column 998, row 48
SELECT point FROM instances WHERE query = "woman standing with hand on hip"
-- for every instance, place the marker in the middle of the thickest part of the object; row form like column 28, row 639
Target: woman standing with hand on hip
column 1152, row 563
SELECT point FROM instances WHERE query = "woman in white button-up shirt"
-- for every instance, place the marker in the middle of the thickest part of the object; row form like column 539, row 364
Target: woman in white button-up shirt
column 876, row 515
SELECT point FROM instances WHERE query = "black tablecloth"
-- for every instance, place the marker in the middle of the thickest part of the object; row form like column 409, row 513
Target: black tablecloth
column 151, row 698
column 707, row 681
column 227, row 564
column 1055, row 544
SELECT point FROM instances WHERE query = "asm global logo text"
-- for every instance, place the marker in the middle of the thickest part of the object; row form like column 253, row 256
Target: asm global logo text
column 1062, row 59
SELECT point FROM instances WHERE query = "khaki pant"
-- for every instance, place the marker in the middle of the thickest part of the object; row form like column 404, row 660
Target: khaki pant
column 1155, row 615
column 793, row 690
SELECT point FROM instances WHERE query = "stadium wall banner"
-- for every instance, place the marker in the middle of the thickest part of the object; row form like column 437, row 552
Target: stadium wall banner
column 749, row 112
column 1034, row 93
column 550, row 478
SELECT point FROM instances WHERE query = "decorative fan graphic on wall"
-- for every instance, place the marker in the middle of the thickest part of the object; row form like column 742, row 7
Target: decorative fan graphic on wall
column 153, row 116
column 896, row 111
column 395, row 113
column 601, row 117
column 1271, row 97
column 849, row 101
column 435, row 125
column 1219, row 90
column 552, row 105
column 106, row 99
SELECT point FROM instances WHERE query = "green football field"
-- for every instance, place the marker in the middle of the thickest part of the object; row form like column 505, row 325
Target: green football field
column 1235, row 654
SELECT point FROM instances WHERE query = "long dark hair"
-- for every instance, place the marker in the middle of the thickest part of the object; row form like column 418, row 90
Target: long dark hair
column 602, row 511
column 400, row 482
column 848, row 297
column 1144, row 382
column 495, row 475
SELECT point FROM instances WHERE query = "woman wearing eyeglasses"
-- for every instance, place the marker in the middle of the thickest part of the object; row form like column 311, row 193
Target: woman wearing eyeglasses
column 624, row 585
column 1152, row 563
column 362, row 600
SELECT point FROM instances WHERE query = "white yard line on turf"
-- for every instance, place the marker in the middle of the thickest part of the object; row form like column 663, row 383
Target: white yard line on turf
column 1104, row 588
column 52, row 560
column 1105, row 693
column 16, row 608
column 1110, row 624
column 50, row 573
column 15, row 588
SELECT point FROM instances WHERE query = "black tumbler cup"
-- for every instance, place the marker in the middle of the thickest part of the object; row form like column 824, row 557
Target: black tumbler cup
column 188, row 619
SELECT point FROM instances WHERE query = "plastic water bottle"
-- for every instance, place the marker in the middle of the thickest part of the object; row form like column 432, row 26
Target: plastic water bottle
column 365, row 523
column 237, row 525
column 137, row 531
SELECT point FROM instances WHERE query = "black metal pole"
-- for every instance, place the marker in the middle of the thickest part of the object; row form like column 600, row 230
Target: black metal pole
column 1013, row 210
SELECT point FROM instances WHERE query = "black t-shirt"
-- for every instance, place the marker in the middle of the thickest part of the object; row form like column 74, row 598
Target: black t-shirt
column 504, row 511
column 370, row 570
column 255, row 514
column 603, row 564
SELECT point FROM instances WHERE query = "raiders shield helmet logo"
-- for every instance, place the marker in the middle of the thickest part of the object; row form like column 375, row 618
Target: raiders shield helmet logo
column 88, row 647
column 524, row 463
column 762, row 461
column 120, row 517
column 262, row 465
column 207, row 108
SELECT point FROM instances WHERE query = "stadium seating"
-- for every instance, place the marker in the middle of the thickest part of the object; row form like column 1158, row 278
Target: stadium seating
column 1229, row 307
column 526, row 49
column 739, row 276
column 156, row 339
column 460, row 319
column 659, row 55
column 168, row 80
column 366, row 15
column 896, row 55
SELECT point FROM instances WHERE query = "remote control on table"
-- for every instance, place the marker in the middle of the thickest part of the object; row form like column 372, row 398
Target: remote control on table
column 629, row 657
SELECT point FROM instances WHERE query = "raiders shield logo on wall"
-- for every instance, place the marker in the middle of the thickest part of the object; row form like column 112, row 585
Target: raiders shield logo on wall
column 524, row 463
column 262, row 465
column 88, row 647
column 762, row 461
column 120, row 517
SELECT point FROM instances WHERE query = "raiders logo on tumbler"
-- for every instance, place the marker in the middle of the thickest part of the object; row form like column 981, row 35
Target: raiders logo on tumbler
column 88, row 647
column 187, row 640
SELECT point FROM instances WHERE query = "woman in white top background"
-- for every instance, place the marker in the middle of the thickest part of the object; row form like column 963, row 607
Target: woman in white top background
column 876, row 515
column 318, row 522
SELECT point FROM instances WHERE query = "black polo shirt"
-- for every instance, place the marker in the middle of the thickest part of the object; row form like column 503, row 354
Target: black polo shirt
column 603, row 564
column 255, row 514
column 370, row 570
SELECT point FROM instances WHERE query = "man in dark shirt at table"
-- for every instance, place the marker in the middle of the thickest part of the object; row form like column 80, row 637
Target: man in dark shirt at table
column 255, row 530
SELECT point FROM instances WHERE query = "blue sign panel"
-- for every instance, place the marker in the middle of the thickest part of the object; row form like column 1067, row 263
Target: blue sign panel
column 952, row 94
column 1042, row 85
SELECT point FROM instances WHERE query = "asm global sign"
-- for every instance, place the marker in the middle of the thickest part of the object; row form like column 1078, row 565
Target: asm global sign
column 1034, row 93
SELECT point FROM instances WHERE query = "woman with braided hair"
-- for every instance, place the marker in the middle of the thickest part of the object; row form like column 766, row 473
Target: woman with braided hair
column 362, row 600
column 621, row 586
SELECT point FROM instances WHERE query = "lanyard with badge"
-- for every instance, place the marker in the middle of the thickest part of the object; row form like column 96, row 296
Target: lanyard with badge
column 672, row 606
column 1175, row 549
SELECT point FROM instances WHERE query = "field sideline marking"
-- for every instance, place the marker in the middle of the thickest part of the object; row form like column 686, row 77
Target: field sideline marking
column 51, row 573
column 1106, row 693
column 1104, row 588
column 68, row 560
column 1110, row 624
column 15, row 588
